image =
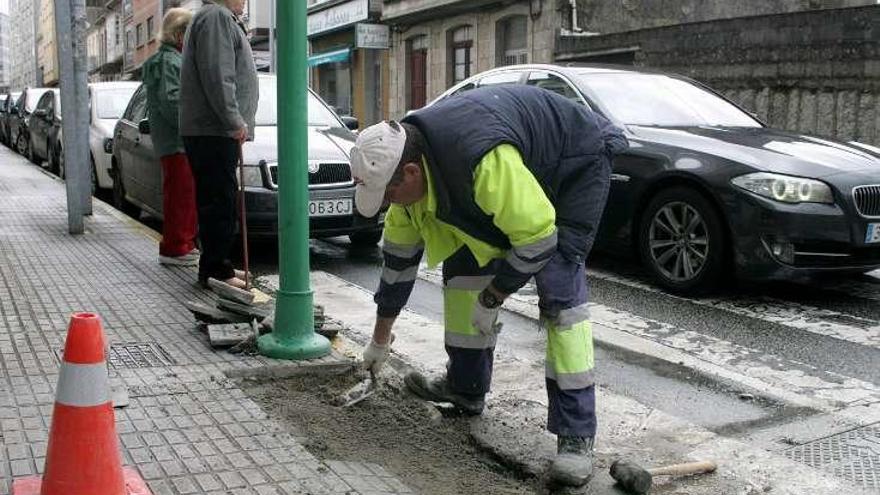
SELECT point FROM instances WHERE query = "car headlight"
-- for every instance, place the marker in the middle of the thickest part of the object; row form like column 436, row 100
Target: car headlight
column 785, row 188
column 253, row 176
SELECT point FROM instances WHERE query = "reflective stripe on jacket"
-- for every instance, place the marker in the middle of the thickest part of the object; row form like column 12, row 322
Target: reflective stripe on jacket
column 505, row 190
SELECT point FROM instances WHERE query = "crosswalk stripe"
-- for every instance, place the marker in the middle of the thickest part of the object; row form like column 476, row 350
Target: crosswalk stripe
column 832, row 390
column 825, row 322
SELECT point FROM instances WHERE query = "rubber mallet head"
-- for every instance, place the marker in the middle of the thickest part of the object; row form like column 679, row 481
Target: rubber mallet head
column 631, row 477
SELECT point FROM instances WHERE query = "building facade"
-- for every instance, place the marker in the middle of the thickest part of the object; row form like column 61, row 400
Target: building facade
column 5, row 40
column 23, row 65
column 106, row 42
column 349, row 57
column 146, row 21
column 47, row 50
column 437, row 43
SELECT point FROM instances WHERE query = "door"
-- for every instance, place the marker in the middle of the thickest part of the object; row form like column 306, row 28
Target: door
column 418, row 78
column 125, row 142
column 151, row 169
column 15, row 121
column 39, row 124
column 55, row 129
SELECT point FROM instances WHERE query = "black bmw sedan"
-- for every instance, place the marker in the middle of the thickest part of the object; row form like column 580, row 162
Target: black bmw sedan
column 706, row 189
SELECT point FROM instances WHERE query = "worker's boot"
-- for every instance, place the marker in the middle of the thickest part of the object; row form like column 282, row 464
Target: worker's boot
column 437, row 390
column 573, row 465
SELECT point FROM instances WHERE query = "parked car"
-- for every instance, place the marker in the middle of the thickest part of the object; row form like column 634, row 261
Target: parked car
column 18, row 121
column 137, row 177
column 706, row 186
column 108, row 101
column 6, row 105
column 45, row 129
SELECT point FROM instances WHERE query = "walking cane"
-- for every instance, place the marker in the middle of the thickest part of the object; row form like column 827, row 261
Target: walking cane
column 243, row 215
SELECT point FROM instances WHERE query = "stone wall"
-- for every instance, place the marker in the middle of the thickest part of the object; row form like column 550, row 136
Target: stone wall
column 604, row 17
column 815, row 72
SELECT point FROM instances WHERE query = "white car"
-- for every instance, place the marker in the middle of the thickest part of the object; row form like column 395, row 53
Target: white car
column 107, row 102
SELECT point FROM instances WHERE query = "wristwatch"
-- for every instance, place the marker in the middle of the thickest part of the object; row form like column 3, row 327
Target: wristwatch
column 489, row 300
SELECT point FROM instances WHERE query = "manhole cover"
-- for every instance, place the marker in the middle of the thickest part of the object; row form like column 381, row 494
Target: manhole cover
column 853, row 455
column 135, row 355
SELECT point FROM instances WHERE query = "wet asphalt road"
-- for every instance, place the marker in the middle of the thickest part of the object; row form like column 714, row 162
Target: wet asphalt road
column 831, row 325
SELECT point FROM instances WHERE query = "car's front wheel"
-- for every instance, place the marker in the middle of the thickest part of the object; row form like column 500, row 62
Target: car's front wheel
column 119, row 200
column 365, row 238
column 682, row 241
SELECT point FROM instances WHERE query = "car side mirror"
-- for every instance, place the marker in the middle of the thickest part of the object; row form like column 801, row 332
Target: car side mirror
column 144, row 126
column 13, row 111
column 351, row 122
column 40, row 113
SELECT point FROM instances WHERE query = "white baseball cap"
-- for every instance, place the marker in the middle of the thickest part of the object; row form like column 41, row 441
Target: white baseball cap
column 374, row 159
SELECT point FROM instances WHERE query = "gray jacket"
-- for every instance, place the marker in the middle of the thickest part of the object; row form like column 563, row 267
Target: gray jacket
column 219, row 89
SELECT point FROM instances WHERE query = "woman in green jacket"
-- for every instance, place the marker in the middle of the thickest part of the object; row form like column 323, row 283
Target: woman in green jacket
column 162, row 80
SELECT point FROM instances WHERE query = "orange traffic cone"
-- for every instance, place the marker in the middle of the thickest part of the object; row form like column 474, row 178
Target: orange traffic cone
column 83, row 453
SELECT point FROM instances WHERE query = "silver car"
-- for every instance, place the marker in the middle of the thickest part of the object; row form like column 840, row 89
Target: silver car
column 107, row 102
column 137, row 174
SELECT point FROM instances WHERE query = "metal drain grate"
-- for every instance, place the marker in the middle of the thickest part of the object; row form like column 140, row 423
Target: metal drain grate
column 135, row 355
column 853, row 455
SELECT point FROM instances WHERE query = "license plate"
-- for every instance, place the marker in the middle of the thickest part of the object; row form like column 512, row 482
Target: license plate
column 330, row 207
column 873, row 234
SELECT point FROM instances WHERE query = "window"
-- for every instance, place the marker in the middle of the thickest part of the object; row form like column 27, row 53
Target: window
column 140, row 35
column 149, row 27
column 460, row 59
column 553, row 83
column 417, row 72
column 508, row 77
column 662, row 101
column 467, row 87
column 511, row 41
column 137, row 105
column 111, row 103
column 117, row 31
column 45, row 103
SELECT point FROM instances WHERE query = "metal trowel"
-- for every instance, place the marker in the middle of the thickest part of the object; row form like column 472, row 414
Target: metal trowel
column 359, row 392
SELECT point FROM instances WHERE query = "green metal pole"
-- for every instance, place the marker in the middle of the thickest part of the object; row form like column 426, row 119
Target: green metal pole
column 294, row 335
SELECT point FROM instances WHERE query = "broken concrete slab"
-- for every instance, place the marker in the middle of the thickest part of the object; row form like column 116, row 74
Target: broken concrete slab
column 229, row 334
column 329, row 329
column 226, row 291
column 249, row 310
column 211, row 314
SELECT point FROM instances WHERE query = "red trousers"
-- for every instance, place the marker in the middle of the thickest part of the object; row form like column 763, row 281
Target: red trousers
column 180, row 224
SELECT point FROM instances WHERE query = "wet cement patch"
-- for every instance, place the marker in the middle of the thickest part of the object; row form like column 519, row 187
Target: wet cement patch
column 428, row 451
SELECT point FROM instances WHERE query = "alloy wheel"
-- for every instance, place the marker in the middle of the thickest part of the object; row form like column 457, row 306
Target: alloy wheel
column 679, row 241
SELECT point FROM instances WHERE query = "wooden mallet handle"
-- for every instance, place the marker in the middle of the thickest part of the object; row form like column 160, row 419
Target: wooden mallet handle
column 685, row 469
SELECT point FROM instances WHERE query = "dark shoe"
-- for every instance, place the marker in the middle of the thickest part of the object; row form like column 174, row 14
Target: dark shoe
column 573, row 465
column 437, row 390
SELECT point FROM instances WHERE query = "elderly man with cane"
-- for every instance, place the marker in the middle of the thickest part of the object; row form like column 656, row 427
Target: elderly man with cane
column 218, row 105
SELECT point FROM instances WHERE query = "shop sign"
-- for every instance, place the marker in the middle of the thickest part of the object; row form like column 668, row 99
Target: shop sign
column 338, row 16
column 372, row 36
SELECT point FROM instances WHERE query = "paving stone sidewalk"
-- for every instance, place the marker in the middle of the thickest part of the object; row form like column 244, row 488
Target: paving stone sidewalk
column 188, row 428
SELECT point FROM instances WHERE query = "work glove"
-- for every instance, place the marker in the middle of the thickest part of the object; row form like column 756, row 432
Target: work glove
column 486, row 320
column 375, row 356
